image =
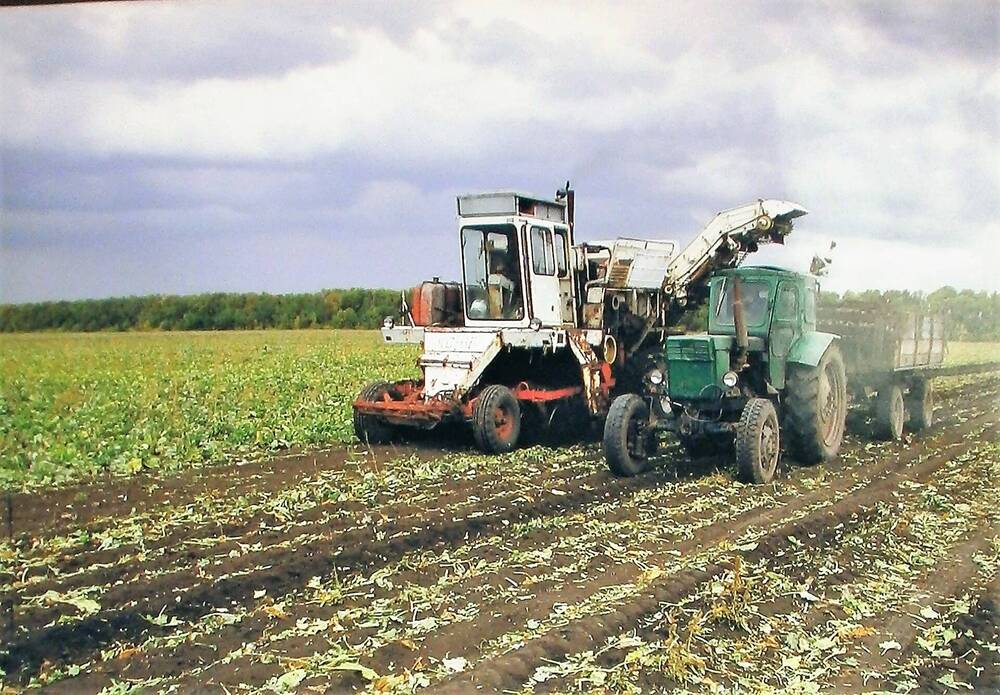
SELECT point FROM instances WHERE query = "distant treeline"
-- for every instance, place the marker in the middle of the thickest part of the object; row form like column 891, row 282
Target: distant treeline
column 354, row 308
column 971, row 315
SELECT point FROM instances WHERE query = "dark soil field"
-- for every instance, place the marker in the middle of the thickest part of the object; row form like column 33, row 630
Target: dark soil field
column 407, row 568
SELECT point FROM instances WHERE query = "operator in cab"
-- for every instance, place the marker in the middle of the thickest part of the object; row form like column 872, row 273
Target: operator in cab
column 504, row 289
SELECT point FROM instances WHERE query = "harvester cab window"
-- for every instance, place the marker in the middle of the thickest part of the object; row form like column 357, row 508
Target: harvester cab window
column 542, row 257
column 491, row 267
column 755, row 304
column 562, row 261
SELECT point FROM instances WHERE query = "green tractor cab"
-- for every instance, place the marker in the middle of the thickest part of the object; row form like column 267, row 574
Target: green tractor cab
column 762, row 374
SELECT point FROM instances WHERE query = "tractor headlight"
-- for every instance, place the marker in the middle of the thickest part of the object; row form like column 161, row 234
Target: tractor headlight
column 730, row 379
column 656, row 377
column 388, row 322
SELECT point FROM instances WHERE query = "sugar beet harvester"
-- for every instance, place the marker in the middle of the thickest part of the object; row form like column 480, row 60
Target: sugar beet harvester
column 543, row 331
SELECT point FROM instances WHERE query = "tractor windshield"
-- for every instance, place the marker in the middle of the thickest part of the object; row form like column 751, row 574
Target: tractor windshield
column 492, row 268
column 755, row 305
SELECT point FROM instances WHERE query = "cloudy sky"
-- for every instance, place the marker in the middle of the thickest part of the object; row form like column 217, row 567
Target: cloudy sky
column 177, row 147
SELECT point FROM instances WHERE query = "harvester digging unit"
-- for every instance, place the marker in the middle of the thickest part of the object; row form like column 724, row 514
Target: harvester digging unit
column 543, row 331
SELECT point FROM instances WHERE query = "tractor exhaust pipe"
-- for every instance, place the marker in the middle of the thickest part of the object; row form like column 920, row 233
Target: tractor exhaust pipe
column 740, row 324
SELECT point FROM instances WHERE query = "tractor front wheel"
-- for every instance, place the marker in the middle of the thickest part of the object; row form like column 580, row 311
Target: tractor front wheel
column 758, row 442
column 628, row 441
column 371, row 429
column 496, row 420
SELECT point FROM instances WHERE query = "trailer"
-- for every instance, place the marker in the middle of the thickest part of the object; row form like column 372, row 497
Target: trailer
column 891, row 356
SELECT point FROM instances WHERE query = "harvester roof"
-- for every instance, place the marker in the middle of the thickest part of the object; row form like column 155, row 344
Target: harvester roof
column 511, row 203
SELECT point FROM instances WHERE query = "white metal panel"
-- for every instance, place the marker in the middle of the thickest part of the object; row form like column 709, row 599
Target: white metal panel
column 545, row 295
column 640, row 263
column 454, row 359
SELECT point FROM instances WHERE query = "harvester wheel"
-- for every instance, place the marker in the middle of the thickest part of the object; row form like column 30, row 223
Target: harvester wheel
column 496, row 420
column 816, row 408
column 628, row 443
column 921, row 405
column 371, row 429
column 758, row 442
column 890, row 413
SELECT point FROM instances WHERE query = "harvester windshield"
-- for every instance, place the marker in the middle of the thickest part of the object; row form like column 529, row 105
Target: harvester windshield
column 491, row 266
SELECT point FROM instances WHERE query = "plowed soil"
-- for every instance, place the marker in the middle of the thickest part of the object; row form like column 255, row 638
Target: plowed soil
column 405, row 568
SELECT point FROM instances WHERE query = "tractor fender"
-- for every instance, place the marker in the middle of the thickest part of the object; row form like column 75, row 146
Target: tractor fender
column 810, row 347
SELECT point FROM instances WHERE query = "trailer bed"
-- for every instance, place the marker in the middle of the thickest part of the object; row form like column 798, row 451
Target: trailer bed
column 878, row 340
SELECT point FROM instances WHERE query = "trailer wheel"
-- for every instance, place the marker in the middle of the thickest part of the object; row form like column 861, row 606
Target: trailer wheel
column 758, row 442
column 496, row 420
column 628, row 443
column 921, row 405
column 816, row 408
column 890, row 413
column 371, row 429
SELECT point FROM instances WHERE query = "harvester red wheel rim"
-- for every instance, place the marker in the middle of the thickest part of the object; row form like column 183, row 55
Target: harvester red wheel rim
column 503, row 422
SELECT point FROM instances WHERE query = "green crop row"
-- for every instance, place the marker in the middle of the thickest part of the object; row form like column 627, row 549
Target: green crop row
column 74, row 406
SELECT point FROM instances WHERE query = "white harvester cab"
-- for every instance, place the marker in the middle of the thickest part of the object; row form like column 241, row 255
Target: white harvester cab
column 516, row 252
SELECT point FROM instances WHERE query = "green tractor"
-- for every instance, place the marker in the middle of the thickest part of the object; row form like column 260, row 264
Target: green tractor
column 762, row 376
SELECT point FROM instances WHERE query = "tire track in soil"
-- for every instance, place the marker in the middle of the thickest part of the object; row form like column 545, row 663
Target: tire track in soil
column 511, row 669
column 982, row 671
column 285, row 571
column 461, row 634
column 66, row 641
column 848, row 554
column 903, row 628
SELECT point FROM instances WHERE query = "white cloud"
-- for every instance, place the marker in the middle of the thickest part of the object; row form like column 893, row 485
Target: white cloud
column 702, row 106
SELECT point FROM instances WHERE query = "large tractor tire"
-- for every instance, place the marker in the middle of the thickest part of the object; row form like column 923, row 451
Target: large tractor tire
column 496, row 420
column 890, row 413
column 371, row 429
column 816, row 408
column 628, row 443
column 758, row 442
column 921, row 405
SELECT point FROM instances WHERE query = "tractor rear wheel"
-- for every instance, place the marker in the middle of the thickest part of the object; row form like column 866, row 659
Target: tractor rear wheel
column 496, row 420
column 371, row 429
column 890, row 413
column 628, row 442
column 758, row 442
column 816, row 408
column 921, row 405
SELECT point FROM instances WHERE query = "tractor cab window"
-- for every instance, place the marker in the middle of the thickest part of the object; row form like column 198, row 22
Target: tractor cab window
column 754, row 295
column 786, row 306
column 491, row 266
